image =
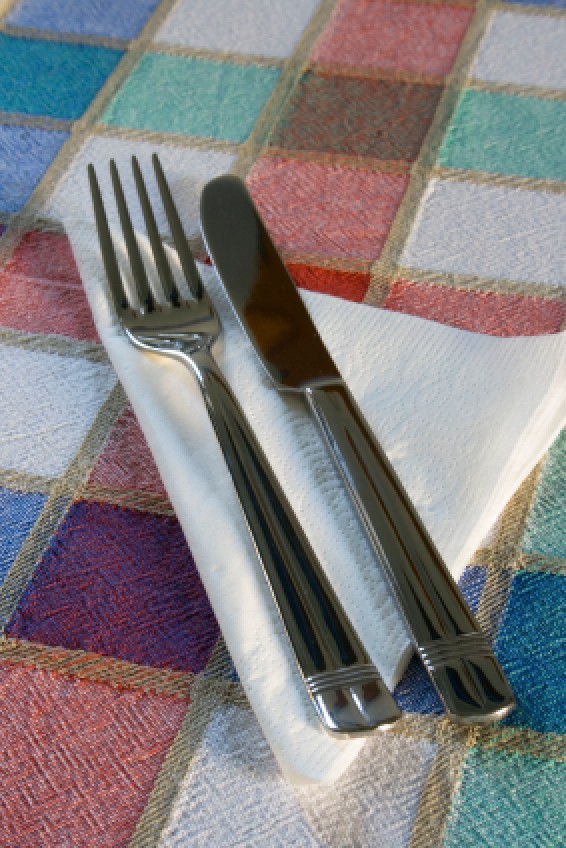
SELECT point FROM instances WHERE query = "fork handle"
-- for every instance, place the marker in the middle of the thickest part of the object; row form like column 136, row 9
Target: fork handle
column 456, row 654
column 348, row 693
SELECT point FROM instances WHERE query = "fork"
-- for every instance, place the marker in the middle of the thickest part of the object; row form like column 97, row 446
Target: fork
column 348, row 694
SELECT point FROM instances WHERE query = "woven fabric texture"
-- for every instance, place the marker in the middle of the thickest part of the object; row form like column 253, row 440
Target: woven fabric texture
column 406, row 155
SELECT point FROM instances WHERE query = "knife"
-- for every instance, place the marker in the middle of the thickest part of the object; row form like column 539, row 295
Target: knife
column 454, row 651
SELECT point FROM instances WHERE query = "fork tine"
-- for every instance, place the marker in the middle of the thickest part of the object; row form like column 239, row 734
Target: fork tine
column 184, row 252
column 113, row 274
column 163, row 269
column 138, row 269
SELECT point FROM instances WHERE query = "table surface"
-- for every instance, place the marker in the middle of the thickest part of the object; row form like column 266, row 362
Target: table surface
column 406, row 155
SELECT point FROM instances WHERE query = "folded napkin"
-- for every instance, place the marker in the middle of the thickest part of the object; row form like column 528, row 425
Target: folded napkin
column 463, row 418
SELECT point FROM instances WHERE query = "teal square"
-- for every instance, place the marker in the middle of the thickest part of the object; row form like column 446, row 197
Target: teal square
column 507, row 134
column 531, row 647
column 507, row 800
column 545, row 529
column 50, row 78
column 195, row 97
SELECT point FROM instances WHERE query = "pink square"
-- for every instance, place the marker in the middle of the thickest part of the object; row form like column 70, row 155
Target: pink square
column 41, row 290
column 126, row 463
column 326, row 210
column 479, row 312
column 416, row 38
column 79, row 760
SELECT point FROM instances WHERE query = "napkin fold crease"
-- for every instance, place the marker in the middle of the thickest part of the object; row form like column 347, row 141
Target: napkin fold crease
column 463, row 417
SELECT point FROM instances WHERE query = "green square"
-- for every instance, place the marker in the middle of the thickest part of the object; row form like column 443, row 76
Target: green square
column 507, row 134
column 507, row 800
column 189, row 96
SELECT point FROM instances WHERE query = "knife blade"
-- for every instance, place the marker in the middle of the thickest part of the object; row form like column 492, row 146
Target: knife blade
column 448, row 639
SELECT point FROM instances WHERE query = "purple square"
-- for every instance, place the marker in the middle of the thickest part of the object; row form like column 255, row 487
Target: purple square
column 122, row 583
column 112, row 18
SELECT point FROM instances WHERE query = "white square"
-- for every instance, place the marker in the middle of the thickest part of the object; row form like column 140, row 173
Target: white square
column 186, row 169
column 490, row 231
column 48, row 403
column 254, row 27
column 376, row 801
column 234, row 795
column 523, row 50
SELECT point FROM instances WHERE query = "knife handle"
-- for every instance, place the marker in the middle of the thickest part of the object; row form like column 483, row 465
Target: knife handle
column 456, row 654
column 348, row 693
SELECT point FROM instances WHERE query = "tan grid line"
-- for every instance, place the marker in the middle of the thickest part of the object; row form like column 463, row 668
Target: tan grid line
column 505, row 551
column 389, row 75
column 365, row 163
column 5, row 7
column 535, row 563
column 21, row 482
column 61, row 494
column 512, row 740
column 97, row 668
column 534, row 11
column 540, row 563
column 453, row 743
column 60, row 345
column 63, row 37
column 540, row 92
column 499, row 180
column 166, row 139
column 425, row 728
column 293, row 70
column 144, row 501
column 207, row 695
column 469, row 282
column 220, row 56
column 25, row 563
column 356, row 265
column 43, row 122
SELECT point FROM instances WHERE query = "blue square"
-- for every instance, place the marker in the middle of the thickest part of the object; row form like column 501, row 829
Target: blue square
column 414, row 692
column 532, row 650
column 110, row 18
column 557, row 4
column 25, row 155
column 52, row 78
column 18, row 513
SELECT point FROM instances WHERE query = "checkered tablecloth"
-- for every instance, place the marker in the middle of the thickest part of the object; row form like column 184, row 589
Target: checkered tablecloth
column 406, row 155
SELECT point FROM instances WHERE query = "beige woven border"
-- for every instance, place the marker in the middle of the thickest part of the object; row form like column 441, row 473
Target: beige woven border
column 80, row 665
column 61, row 492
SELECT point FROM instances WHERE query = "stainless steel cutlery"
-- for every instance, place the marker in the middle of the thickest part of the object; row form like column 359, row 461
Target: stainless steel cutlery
column 344, row 685
column 456, row 654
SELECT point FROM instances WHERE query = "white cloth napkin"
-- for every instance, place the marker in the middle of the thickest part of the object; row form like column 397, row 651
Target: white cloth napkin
column 463, row 418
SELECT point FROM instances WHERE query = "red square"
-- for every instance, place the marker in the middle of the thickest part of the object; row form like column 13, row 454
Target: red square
column 41, row 290
column 348, row 285
column 79, row 760
column 326, row 210
column 415, row 38
column 126, row 463
column 494, row 314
